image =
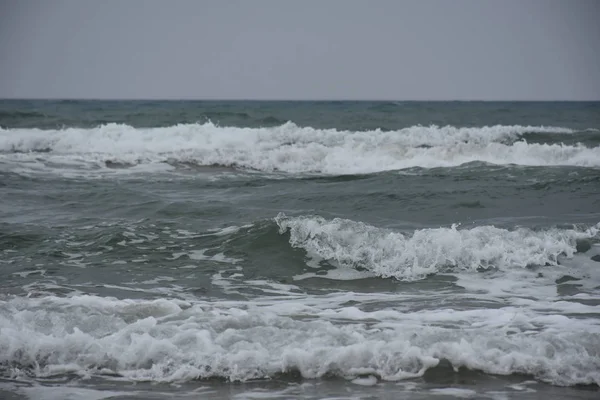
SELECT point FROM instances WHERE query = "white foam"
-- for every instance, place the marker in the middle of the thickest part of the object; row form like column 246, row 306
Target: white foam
column 201, row 256
column 368, row 381
column 228, row 230
column 169, row 340
column 24, row 274
column 339, row 274
column 427, row 251
column 71, row 393
column 454, row 392
column 286, row 148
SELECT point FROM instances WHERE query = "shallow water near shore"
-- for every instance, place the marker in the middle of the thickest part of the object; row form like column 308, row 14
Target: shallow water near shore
column 308, row 250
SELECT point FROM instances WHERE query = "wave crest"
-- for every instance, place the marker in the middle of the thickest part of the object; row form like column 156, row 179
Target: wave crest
column 390, row 254
column 170, row 340
column 293, row 149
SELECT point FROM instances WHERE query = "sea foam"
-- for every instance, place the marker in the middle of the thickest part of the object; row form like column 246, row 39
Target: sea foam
column 413, row 256
column 293, row 149
column 173, row 341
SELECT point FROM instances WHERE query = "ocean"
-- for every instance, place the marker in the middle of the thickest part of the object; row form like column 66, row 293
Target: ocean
column 275, row 250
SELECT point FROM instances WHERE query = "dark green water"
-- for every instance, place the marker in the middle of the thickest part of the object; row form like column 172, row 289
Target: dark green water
column 299, row 249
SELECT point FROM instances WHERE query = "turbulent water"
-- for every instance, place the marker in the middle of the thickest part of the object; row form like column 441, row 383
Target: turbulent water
column 299, row 250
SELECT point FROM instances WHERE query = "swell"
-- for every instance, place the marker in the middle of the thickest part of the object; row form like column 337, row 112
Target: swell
column 151, row 118
column 588, row 137
column 9, row 116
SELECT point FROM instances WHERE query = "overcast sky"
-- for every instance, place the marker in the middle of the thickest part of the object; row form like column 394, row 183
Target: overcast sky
column 301, row 49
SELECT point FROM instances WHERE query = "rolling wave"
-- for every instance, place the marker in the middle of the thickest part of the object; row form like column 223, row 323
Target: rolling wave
column 169, row 340
column 293, row 149
column 313, row 335
column 411, row 257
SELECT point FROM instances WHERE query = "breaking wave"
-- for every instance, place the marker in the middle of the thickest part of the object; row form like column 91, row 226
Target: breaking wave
column 174, row 341
column 292, row 149
column 428, row 251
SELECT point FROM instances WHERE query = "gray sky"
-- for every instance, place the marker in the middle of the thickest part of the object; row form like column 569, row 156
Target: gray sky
column 301, row 49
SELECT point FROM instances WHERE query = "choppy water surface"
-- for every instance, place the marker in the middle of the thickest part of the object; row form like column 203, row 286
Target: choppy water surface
column 299, row 250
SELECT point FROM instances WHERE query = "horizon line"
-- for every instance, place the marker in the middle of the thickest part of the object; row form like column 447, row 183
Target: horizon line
column 300, row 100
